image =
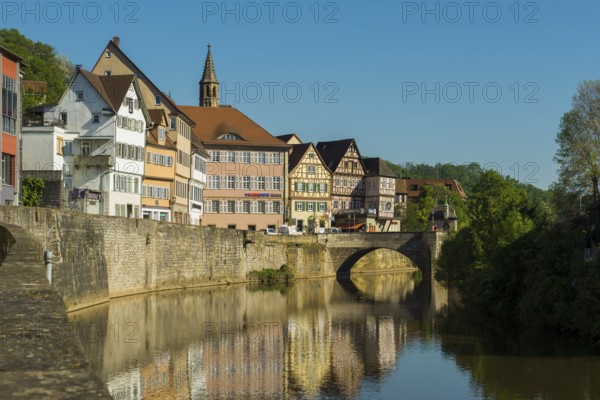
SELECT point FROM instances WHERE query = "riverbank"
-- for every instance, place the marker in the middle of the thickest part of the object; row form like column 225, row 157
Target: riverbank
column 39, row 357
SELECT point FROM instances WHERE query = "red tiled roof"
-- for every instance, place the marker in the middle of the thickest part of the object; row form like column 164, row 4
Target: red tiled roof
column 212, row 122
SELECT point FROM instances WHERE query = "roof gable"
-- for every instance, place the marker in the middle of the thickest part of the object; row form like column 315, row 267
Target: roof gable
column 299, row 151
column 334, row 151
column 117, row 52
column 212, row 123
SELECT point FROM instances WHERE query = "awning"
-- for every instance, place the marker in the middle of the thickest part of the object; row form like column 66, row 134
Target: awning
column 350, row 227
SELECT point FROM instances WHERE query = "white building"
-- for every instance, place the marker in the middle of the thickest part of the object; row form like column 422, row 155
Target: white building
column 197, row 181
column 108, row 119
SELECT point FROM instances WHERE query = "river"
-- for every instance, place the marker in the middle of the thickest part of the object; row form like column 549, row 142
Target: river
column 381, row 336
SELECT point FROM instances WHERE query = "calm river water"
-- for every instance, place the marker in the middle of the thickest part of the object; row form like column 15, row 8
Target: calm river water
column 373, row 337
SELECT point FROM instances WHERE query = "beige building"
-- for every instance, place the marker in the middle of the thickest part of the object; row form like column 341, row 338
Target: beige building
column 247, row 166
column 343, row 159
column 309, row 200
column 380, row 191
column 113, row 61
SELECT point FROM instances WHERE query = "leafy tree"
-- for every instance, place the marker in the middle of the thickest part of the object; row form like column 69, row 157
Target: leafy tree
column 579, row 142
column 43, row 64
column 31, row 193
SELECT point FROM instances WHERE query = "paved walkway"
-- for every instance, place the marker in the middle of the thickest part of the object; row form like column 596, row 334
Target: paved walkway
column 39, row 356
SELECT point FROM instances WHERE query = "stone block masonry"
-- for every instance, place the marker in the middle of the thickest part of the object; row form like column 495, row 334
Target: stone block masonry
column 99, row 257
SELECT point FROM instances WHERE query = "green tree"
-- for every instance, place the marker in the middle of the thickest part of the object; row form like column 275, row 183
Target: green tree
column 43, row 64
column 31, row 193
column 578, row 142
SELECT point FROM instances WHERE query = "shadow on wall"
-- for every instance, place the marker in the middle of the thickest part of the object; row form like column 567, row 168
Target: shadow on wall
column 7, row 240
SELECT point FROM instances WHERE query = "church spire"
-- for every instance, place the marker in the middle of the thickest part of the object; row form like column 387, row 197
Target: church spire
column 209, row 86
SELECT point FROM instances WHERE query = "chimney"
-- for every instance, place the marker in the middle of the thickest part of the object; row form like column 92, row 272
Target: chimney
column 78, row 67
column 116, row 40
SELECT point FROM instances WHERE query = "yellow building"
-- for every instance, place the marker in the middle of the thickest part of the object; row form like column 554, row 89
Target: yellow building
column 309, row 201
column 159, row 169
column 113, row 61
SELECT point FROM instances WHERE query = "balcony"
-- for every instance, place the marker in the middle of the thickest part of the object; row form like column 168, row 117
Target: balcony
column 105, row 160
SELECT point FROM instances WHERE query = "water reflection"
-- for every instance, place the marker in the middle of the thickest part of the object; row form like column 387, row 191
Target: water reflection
column 374, row 335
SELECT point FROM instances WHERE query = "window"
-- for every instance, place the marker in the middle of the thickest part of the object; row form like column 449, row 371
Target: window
column 246, row 207
column 261, row 207
column 312, row 170
column 215, row 206
column 8, row 169
column 107, row 73
column 322, row 187
column 9, row 105
column 157, row 100
column 299, row 206
column 95, row 118
column 230, row 182
column 85, row 147
column 161, row 133
column 261, row 183
column 311, row 187
column 214, row 182
column 335, row 205
column 276, row 158
column 300, row 187
column 80, row 95
column 276, row 183
column 231, row 226
column 107, row 54
column 261, row 158
column 246, row 182
column 215, row 156
column 310, row 206
column 230, row 206
column 277, row 207
column 231, row 156
column 311, row 155
column 173, row 125
column 322, row 207
column 246, row 157
column 68, row 149
column 229, row 136
column 60, row 144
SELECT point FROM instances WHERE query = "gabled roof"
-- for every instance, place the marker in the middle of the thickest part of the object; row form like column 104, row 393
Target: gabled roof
column 378, row 167
column 298, row 152
column 333, row 152
column 288, row 138
column 213, row 122
column 158, row 116
column 112, row 89
column 115, row 49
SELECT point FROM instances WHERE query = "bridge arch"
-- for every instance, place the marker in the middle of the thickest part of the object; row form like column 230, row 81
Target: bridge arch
column 349, row 263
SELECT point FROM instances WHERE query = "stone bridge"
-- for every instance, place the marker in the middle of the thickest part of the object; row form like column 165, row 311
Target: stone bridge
column 345, row 249
column 313, row 256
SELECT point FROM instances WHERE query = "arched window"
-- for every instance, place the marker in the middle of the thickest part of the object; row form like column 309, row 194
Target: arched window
column 214, row 92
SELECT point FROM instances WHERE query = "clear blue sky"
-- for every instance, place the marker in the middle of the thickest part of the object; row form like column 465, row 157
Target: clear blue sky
column 372, row 59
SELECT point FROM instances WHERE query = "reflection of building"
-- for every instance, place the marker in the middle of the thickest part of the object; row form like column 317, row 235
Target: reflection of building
column 380, row 191
column 126, row 385
column 309, row 351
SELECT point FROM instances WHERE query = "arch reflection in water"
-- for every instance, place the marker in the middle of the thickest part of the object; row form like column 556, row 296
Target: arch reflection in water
column 238, row 341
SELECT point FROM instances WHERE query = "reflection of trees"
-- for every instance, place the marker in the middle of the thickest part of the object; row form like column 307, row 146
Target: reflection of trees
column 505, row 364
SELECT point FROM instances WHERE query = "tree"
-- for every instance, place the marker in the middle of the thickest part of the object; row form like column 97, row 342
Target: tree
column 31, row 194
column 43, row 64
column 579, row 142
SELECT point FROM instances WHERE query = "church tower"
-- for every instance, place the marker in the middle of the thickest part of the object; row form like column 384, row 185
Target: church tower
column 209, row 86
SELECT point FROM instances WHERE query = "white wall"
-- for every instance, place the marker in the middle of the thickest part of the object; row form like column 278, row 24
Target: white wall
column 40, row 148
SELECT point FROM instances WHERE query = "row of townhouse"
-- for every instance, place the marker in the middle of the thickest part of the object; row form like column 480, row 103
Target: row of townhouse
column 117, row 145
column 331, row 184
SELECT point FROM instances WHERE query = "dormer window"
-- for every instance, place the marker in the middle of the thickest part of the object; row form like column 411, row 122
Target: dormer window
column 157, row 100
column 161, row 133
column 230, row 136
